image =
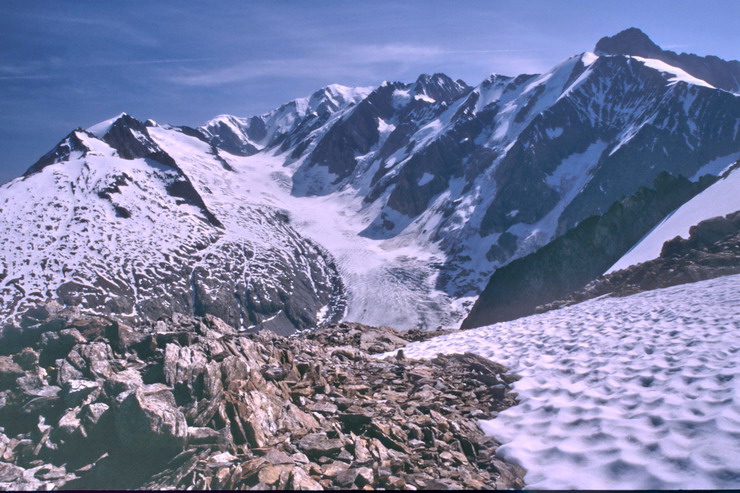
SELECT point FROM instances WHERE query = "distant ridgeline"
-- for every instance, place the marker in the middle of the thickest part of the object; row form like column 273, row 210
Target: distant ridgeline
column 389, row 205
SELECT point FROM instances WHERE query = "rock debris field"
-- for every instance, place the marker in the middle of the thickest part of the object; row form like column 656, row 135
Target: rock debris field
column 620, row 393
column 88, row 403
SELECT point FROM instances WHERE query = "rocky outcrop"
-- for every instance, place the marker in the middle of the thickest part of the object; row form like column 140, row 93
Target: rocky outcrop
column 91, row 403
column 711, row 250
column 581, row 255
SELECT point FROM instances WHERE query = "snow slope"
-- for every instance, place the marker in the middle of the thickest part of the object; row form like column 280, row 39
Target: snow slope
column 133, row 238
column 720, row 199
column 640, row 392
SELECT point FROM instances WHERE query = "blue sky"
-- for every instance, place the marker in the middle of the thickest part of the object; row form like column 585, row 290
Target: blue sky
column 69, row 64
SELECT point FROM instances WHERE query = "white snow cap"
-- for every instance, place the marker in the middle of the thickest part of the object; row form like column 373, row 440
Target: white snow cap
column 100, row 129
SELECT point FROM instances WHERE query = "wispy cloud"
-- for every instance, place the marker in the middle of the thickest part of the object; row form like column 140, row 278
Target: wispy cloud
column 20, row 77
column 677, row 46
column 371, row 62
column 246, row 71
column 52, row 68
column 110, row 26
column 123, row 63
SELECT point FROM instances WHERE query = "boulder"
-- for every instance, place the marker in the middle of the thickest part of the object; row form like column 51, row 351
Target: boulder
column 10, row 371
column 301, row 481
column 75, row 392
column 317, row 445
column 123, row 381
column 27, row 359
column 149, row 423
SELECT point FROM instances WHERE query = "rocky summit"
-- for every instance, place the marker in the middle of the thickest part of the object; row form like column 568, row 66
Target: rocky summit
column 90, row 403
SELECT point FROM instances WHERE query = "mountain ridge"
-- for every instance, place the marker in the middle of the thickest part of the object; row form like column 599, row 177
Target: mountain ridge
column 723, row 74
column 418, row 189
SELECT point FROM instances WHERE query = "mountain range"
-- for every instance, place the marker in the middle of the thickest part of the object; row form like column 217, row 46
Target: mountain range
column 388, row 205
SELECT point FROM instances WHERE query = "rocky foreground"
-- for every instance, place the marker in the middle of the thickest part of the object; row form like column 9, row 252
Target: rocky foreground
column 90, row 403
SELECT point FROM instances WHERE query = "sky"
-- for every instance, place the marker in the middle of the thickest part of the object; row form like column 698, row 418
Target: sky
column 65, row 65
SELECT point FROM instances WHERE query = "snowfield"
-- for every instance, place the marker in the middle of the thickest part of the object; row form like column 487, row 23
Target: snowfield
column 640, row 392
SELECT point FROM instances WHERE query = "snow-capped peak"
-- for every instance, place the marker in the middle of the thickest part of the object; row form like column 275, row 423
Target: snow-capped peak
column 348, row 94
column 102, row 128
column 439, row 87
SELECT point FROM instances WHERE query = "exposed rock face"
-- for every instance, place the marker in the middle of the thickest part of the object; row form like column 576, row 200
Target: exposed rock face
column 712, row 250
column 582, row 254
column 724, row 74
column 192, row 403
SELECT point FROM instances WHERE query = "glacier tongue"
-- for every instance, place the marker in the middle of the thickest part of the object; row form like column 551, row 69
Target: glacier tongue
column 389, row 282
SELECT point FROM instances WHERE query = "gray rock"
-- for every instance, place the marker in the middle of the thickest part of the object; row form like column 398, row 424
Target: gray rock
column 358, row 477
column 41, row 400
column 274, row 373
column 148, row 422
column 275, row 457
column 316, row 445
column 301, row 481
column 27, row 359
column 75, row 392
column 57, row 345
column 123, row 381
column 220, row 439
column 10, row 473
column 10, row 371
column 324, row 407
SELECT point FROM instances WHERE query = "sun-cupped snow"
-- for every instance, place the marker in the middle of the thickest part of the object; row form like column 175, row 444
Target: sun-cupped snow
column 63, row 228
column 639, row 392
column 719, row 199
